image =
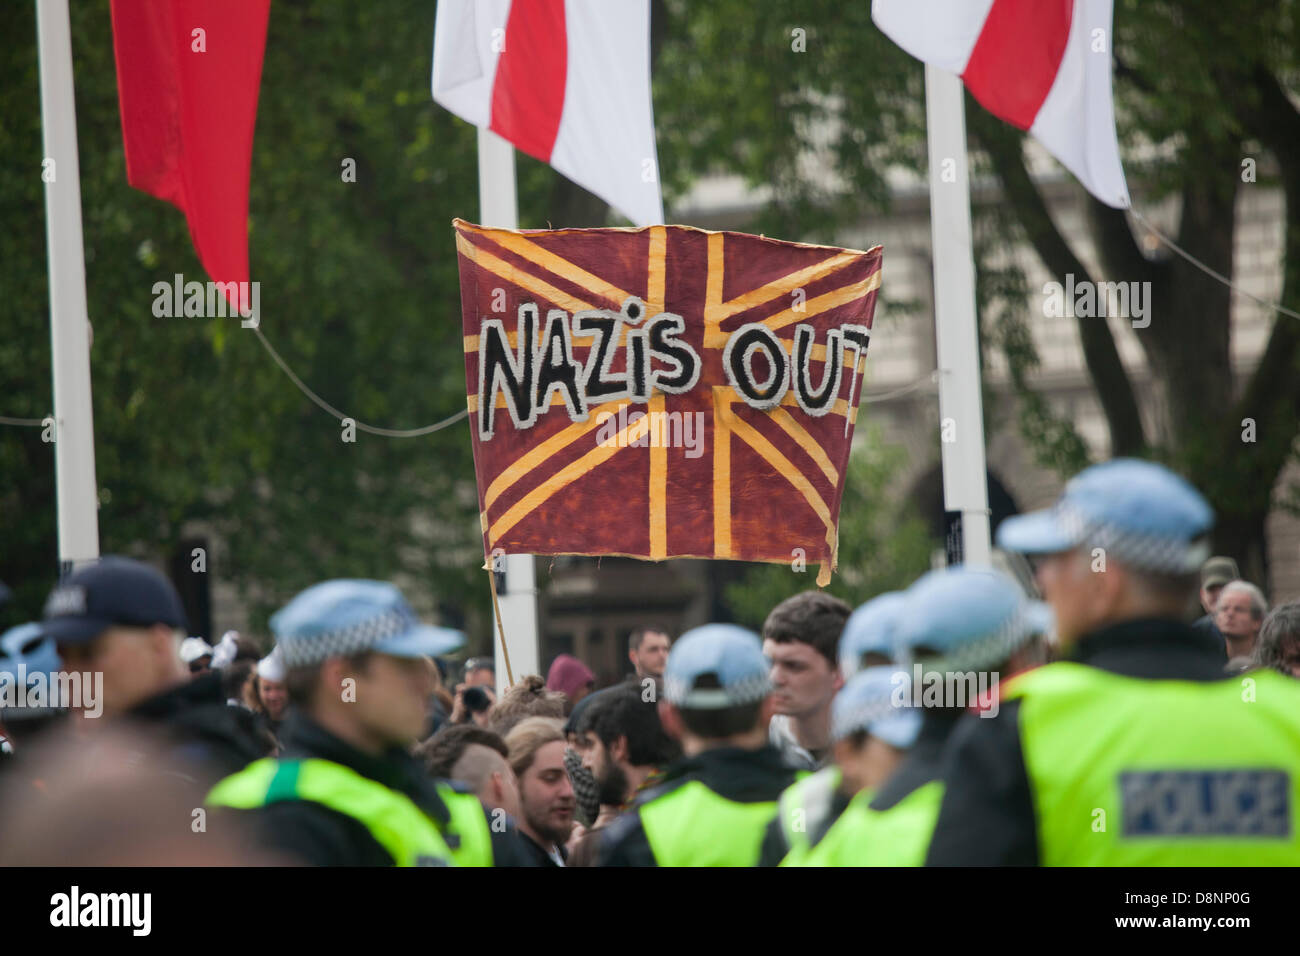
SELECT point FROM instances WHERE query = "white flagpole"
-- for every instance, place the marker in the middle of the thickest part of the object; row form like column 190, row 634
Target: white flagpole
column 498, row 207
column 965, row 487
column 74, row 447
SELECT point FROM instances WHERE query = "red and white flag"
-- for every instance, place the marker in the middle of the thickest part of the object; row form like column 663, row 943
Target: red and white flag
column 566, row 81
column 1041, row 65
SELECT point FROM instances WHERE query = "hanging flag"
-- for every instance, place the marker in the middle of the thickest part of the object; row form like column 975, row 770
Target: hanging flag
column 662, row 392
column 188, row 73
column 566, row 81
column 1041, row 65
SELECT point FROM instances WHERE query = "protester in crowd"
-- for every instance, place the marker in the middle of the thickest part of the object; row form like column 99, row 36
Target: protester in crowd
column 123, row 619
column 1239, row 614
column 1088, row 759
column 480, row 672
column 476, row 757
column 1215, row 573
column 347, row 792
column 624, row 747
column 572, row 678
column 473, row 705
column 235, row 657
column 235, row 678
column 825, row 819
column 647, row 649
column 441, row 702
column 585, row 791
column 266, row 694
column 196, row 654
column 801, row 638
column 1278, row 646
column 29, row 664
column 712, row 806
column 536, row 747
column 528, row 698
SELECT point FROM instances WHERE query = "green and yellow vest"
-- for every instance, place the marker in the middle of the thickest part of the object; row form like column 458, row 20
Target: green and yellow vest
column 1129, row 772
column 393, row 819
column 898, row 836
column 691, row 825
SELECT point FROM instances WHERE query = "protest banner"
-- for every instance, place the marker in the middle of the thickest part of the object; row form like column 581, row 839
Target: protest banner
column 664, row 391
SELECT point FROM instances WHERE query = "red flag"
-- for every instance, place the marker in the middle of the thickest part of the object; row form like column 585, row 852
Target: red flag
column 662, row 392
column 188, row 72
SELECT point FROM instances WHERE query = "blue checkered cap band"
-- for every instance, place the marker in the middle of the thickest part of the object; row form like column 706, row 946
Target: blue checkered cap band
column 862, row 716
column 1161, row 554
column 303, row 650
column 994, row 648
column 685, row 694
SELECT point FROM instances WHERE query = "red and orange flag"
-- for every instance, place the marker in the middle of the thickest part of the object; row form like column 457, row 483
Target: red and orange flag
column 662, row 392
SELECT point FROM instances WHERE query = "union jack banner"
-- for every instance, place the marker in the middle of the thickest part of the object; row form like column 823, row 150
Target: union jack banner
column 662, row 392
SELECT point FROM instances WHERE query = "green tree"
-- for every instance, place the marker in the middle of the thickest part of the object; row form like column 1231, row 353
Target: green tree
column 883, row 546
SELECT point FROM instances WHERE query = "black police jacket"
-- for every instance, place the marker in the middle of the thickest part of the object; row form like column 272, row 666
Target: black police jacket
column 744, row 776
column 207, row 738
column 305, row 832
column 987, row 814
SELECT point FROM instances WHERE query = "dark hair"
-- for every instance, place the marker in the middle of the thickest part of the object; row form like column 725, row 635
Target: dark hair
column 621, row 712
column 301, row 682
column 246, row 649
column 638, row 636
column 810, row 617
column 726, row 722
column 234, row 676
column 440, row 753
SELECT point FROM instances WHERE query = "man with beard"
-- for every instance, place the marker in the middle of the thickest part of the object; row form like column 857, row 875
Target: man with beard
column 536, row 746
column 624, row 746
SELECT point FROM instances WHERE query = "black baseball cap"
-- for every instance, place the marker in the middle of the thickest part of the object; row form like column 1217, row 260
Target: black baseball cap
column 113, row 591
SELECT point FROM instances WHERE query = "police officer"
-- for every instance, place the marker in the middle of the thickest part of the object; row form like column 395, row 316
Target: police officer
column 1133, row 749
column 811, row 806
column 714, row 804
column 825, row 819
column 346, row 791
column 868, row 638
column 28, row 662
column 961, row 629
column 120, row 618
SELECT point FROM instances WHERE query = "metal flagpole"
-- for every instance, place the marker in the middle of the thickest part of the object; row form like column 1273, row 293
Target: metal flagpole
column 74, row 446
column 517, row 617
column 961, row 413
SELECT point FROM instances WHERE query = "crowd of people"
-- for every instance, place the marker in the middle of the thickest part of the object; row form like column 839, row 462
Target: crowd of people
column 960, row 721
